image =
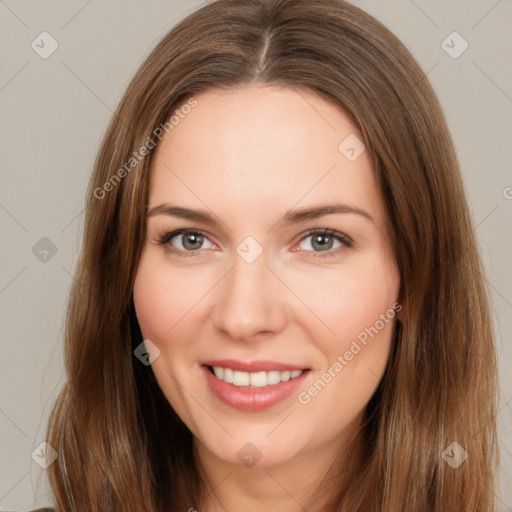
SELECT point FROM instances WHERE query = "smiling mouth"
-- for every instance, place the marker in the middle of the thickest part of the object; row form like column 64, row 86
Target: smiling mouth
column 254, row 379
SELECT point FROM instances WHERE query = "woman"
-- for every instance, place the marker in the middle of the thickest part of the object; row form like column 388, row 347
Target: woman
column 279, row 303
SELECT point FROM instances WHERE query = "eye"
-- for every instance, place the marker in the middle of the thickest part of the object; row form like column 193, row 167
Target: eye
column 325, row 241
column 188, row 242
column 184, row 242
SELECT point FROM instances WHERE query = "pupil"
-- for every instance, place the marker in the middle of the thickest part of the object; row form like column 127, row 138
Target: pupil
column 318, row 239
column 194, row 239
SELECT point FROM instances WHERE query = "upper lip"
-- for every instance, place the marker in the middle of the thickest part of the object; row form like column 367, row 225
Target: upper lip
column 254, row 366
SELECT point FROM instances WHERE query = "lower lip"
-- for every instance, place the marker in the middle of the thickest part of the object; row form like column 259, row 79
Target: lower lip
column 252, row 399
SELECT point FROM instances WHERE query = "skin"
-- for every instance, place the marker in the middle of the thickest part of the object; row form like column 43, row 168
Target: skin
column 248, row 156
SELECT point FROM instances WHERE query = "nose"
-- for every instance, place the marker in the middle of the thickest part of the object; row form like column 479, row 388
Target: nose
column 251, row 302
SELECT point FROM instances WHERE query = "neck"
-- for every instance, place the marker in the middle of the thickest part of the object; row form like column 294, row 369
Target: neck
column 313, row 480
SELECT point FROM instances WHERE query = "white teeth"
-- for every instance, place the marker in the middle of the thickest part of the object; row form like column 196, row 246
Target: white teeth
column 273, row 377
column 256, row 379
column 228, row 375
column 240, row 378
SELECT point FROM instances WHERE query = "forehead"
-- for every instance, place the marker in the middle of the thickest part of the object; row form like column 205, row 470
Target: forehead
column 259, row 146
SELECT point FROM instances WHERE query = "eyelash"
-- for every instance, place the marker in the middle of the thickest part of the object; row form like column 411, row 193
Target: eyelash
column 344, row 239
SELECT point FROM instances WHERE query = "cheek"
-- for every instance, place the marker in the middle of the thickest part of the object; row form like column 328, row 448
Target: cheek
column 351, row 302
column 360, row 310
column 163, row 298
column 153, row 306
column 364, row 303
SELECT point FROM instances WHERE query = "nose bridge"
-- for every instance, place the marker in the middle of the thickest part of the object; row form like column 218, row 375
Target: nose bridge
column 250, row 302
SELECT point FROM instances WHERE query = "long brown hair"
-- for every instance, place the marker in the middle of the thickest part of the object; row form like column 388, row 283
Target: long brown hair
column 121, row 446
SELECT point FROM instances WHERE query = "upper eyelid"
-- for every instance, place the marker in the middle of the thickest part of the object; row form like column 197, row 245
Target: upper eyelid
column 182, row 231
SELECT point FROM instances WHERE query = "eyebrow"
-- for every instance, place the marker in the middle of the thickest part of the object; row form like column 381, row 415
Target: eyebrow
column 289, row 218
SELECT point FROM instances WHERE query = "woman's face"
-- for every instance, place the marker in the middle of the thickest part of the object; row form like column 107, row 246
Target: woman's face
column 248, row 288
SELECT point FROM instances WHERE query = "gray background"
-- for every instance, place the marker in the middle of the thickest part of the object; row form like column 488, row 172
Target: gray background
column 54, row 112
